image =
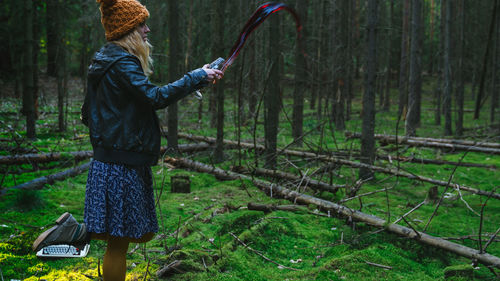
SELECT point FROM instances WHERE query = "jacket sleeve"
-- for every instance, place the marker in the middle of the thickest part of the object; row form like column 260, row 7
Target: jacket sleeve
column 131, row 77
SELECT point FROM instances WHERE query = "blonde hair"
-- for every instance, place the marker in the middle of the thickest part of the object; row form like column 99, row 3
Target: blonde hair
column 135, row 45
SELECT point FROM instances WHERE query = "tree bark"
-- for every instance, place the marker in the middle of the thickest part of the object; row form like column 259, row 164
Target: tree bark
column 448, row 84
column 174, row 72
column 53, row 36
column 459, row 130
column 479, row 96
column 340, row 79
column 272, row 97
column 403, row 69
column 301, row 75
column 494, row 115
column 61, row 68
column 386, row 105
column 29, row 88
column 414, row 90
column 368, row 115
column 219, row 87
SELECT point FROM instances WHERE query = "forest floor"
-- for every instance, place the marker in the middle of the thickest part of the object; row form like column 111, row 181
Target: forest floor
column 199, row 228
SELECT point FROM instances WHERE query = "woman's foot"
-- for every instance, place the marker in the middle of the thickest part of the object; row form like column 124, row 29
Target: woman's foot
column 66, row 231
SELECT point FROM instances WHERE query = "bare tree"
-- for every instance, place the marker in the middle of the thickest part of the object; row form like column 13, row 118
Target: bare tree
column 414, row 88
column 174, row 72
column 219, row 87
column 496, row 72
column 460, row 69
column 272, row 96
column 403, row 69
column 368, row 115
column 447, row 87
column 301, row 76
column 29, row 88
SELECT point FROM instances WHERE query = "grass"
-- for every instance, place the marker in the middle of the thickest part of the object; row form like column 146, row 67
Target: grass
column 321, row 248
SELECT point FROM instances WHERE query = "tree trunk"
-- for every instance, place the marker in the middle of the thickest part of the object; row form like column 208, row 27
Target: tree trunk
column 496, row 73
column 61, row 68
column 403, row 68
column 479, row 96
column 447, row 86
column 53, row 36
column 368, row 115
column 341, row 41
column 272, row 97
column 301, row 76
column 29, row 88
column 415, row 70
column 460, row 70
column 431, row 37
column 387, row 93
column 350, row 60
column 174, row 72
column 219, row 87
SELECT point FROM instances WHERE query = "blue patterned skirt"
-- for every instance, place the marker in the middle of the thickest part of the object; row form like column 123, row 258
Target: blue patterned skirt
column 119, row 200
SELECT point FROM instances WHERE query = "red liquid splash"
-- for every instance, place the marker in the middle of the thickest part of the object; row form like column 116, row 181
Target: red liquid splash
column 259, row 16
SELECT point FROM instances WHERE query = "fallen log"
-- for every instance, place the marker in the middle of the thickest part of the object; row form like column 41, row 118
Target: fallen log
column 50, row 179
column 450, row 146
column 403, row 139
column 306, row 181
column 336, row 161
column 44, row 157
column 266, row 208
column 80, row 155
column 344, row 211
column 391, row 158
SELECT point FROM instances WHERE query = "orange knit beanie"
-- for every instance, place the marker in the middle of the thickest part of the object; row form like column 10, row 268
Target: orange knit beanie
column 119, row 17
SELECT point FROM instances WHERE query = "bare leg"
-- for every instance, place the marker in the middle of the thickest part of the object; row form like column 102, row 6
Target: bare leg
column 115, row 258
column 114, row 266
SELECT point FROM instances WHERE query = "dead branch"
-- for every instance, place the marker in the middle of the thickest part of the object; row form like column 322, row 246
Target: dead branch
column 379, row 265
column 409, row 212
column 170, row 269
column 290, row 195
column 363, row 195
column 315, row 184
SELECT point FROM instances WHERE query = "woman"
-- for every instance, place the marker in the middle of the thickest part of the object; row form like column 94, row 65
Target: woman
column 119, row 110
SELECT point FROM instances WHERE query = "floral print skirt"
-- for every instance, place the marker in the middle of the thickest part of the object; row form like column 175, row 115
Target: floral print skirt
column 119, row 200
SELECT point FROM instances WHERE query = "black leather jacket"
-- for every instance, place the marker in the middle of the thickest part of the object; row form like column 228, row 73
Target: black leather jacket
column 120, row 105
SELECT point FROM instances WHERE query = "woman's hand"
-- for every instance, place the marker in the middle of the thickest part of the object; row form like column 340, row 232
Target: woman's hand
column 212, row 74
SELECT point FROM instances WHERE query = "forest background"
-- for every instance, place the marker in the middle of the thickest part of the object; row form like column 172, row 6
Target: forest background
column 427, row 68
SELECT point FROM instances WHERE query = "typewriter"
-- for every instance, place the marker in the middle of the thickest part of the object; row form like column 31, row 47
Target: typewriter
column 63, row 251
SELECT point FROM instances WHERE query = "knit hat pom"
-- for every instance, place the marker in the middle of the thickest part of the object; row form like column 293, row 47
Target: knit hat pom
column 106, row 2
